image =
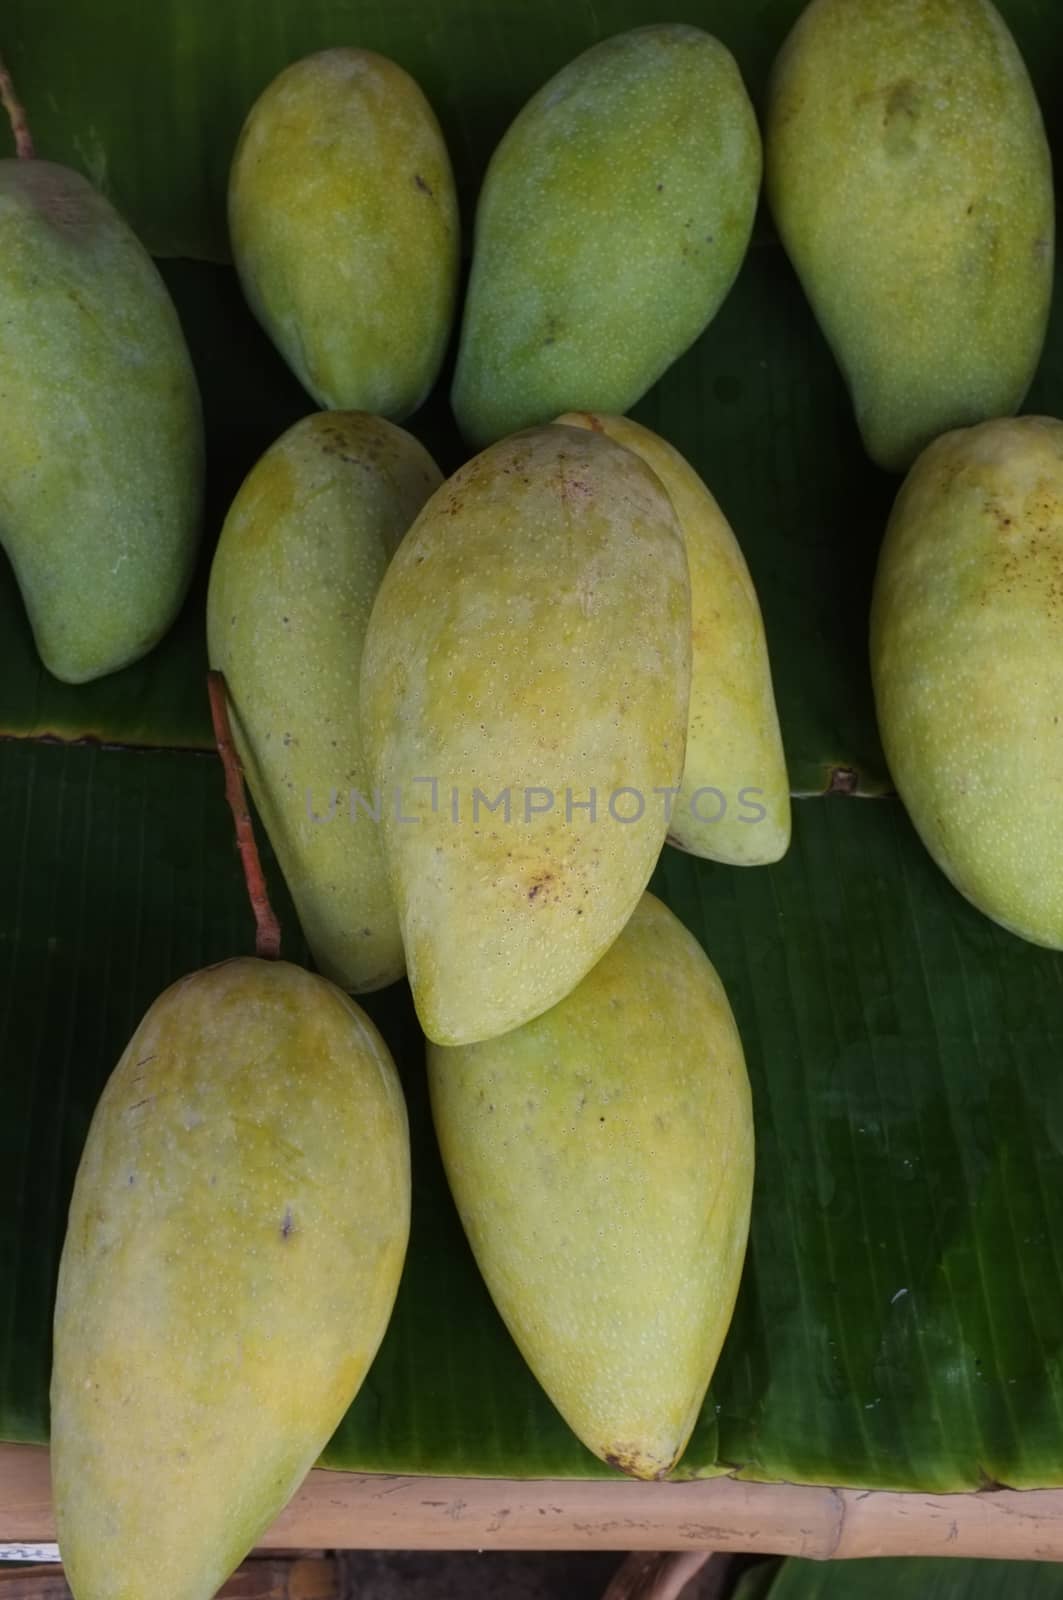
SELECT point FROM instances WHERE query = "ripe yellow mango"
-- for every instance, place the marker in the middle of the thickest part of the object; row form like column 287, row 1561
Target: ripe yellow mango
column 234, row 1246
column 525, row 689
column 300, row 558
column 967, row 664
column 601, row 1158
column 343, row 220
column 613, row 220
column 910, row 179
column 733, row 804
column 101, row 449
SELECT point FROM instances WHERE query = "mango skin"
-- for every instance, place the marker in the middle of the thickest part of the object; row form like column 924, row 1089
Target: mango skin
column 967, row 665
column 532, row 633
column 911, row 182
column 734, row 747
column 101, row 450
column 235, row 1242
column 343, row 219
column 601, row 1158
column 612, row 222
column 300, row 558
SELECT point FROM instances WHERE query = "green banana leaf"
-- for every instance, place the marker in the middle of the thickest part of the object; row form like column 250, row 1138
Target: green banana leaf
column 148, row 101
column 885, row 1578
column 900, row 1322
column 901, row 1317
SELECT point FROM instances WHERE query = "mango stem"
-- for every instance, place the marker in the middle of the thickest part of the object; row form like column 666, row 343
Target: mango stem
column 16, row 115
column 267, row 928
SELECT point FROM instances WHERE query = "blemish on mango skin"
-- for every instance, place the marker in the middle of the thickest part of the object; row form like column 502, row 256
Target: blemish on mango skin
column 628, row 1460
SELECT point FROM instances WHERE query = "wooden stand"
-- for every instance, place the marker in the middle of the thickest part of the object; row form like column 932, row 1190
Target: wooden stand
column 359, row 1511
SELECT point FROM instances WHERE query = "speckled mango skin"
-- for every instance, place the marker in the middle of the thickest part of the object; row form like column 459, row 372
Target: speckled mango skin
column 343, row 220
column 613, row 220
column 101, row 450
column 532, row 632
column 601, row 1158
column 234, row 1246
column 967, row 664
column 733, row 741
column 910, row 180
column 300, row 558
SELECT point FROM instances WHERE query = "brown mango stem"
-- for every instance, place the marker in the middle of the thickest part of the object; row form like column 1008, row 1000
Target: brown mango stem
column 267, row 928
column 16, row 115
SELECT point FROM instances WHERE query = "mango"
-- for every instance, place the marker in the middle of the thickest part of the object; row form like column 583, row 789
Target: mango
column 911, row 183
column 967, row 665
column 300, row 558
column 343, row 220
column 733, row 804
column 601, row 1158
column 101, row 451
column 525, row 686
column 234, row 1246
column 612, row 222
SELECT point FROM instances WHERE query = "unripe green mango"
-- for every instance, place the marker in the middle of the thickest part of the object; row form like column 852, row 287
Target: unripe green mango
column 733, row 804
column 910, row 179
column 304, row 547
column 343, row 220
column 529, row 650
column 101, row 449
column 967, row 664
column 234, row 1246
column 613, row 220
column 601, row 1158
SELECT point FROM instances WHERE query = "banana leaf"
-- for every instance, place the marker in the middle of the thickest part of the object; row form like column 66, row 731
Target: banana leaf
column 900, row 1322
column 901, row 1315
column 886, row 1578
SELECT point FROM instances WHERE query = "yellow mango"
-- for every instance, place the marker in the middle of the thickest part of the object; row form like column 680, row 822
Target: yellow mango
column 233, row 1250
column 601, row 1158
column 300, row 558
column 733, row 804
column 525, row 688
column 343, row 220
column 967, row 665
column 910, row 179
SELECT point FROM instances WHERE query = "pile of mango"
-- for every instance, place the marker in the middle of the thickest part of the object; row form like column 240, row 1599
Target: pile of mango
column 472, row 711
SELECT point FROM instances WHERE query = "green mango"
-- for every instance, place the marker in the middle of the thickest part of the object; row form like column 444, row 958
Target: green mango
column 343, row 220
column 234, row 1246
column 733, row 804
column 601, row 1158
column 298, row 565
column 101, row 451
column 967, row 665
column 525, row 685
column 612, row 222
column 911, row 182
